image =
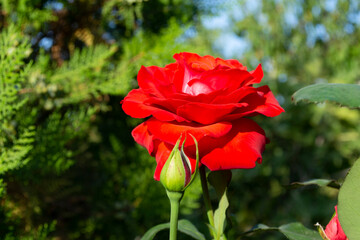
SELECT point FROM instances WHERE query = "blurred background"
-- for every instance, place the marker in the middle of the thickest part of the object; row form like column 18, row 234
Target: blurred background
column 69, row 168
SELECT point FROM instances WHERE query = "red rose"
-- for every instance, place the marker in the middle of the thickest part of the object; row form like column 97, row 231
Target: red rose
column 209, row 98
column 333, row 230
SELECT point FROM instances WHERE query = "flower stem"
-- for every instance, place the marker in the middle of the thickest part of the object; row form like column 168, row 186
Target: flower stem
column 175, row 198
column 205, row 189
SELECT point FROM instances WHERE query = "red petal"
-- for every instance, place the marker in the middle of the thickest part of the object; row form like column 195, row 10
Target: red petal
column 235, row 96
column 162, row 155
column 261, row 102
column 203, row 75
column 170, row 131
column 202, row 98
column 271, row 107
column 231, row 63
column 195, row 62
column 156, row 81
column 193, row 65
column 334, row 230
column 257, row 75
column 134, row 105
column 178, row 78
column 218, row 79
column 207, row 62
column 170, row 103
column 207, row 113
column 240, row 148
column 143, row 137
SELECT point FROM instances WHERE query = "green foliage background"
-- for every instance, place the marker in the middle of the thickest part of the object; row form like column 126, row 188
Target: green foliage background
column 69, row 168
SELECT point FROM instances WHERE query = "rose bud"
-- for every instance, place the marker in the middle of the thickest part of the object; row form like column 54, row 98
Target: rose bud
column 333, row 230
column 176, row 173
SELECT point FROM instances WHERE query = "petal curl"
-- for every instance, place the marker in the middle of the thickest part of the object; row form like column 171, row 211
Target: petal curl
column 206, row 62
column 240, row 148
column 207, row 113
column 257, row 74
column 170, row 131
column 262, row 102
column 218, row 79
column 234, row 96
column 186, row 61
column 143, row 137
column 195, row 62
column 156, row 80
column 134, row 104
column 271, row 107
column 231, row 63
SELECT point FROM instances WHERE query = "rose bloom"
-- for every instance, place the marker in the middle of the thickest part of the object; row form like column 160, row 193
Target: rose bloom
column 209, row 98
column 333, row 230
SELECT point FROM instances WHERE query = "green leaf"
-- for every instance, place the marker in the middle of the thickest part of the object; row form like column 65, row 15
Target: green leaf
column 188, row 228
column 220, row 215
column 260, row 228
column 184, row 226
column 150, row 234
column 220, row 181
column 318, row 182
column 293, row 231
column 344, row 94
column 349, row 203
column 297, row 231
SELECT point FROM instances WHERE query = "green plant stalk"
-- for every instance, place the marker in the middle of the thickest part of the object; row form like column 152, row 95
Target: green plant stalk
column 205, row 189
column 175, row 198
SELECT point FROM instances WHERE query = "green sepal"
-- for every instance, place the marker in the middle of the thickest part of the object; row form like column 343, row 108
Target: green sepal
column 321, row 231
column 197, row 160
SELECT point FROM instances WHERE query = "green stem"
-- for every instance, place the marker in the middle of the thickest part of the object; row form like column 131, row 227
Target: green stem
column 175, row 198
column 205, row 189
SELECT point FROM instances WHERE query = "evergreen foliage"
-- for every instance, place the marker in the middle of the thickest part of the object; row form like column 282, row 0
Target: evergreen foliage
column 65, row 144
column 15, row 140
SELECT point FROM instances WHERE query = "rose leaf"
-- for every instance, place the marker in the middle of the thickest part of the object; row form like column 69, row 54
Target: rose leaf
column 344, row 94
column 349, row 203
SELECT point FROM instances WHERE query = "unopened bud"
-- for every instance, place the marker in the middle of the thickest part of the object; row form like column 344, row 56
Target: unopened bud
column 176, row 173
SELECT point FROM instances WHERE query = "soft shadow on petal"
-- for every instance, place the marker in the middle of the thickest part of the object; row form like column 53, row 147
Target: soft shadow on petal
column 170, row 131
column 222, row 146
column 219, row 79
column 143, row 137
column 134, row 104
column 261, row 102
column 207, row 113
column 234, row 96
column 156, row 81
column 240, row 148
